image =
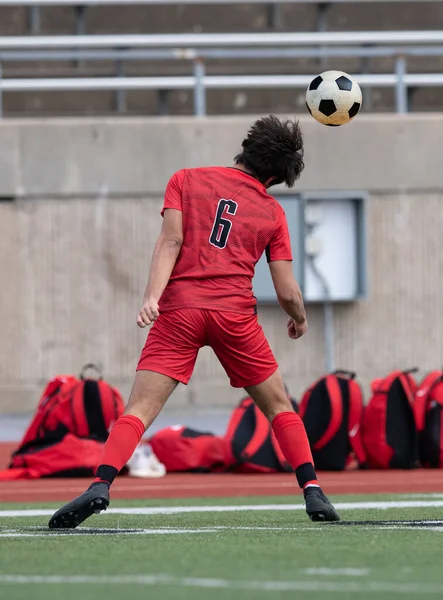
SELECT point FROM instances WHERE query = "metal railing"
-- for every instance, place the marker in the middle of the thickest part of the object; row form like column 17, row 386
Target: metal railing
column 183, row 2
column 192, row 41
column 199, row 82
column 201, row 48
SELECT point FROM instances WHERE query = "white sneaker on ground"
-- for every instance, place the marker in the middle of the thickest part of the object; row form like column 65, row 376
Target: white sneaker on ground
column 144, row 463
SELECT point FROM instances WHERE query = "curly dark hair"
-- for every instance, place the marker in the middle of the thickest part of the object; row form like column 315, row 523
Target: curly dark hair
column 273, row 150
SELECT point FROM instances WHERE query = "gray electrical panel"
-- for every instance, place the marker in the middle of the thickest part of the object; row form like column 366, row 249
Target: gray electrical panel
column 328, row 237
column 335, row 254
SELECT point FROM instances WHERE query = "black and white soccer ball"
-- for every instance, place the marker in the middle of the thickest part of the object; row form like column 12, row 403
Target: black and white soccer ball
column 333, row 98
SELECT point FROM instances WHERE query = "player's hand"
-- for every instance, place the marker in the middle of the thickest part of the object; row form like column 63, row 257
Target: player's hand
column 296, row 330
column 148, row 314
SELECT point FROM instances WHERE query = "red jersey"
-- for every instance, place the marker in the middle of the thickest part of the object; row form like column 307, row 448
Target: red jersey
column 229, row 220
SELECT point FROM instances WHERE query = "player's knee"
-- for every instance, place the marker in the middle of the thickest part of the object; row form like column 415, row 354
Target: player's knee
column 276, row 406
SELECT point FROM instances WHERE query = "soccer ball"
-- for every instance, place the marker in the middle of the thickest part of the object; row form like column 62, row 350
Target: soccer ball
column 333, row 98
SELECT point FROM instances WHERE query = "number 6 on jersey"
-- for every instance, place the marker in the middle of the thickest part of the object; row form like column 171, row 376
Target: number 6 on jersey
column 222, row 226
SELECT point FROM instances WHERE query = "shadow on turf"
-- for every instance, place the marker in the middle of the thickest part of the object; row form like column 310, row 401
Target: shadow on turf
column 416, row 523
column 106, row 531
column 79, row 531
column 90, row 531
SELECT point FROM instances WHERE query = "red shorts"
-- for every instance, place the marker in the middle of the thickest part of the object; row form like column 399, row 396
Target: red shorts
column 237, row 339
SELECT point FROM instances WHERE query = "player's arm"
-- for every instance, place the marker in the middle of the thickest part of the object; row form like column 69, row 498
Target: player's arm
column 279, row 255
column 289, row 296
column 166, row 251
column 165, row 255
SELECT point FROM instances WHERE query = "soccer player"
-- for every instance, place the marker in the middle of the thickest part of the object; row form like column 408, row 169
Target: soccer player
column 217, row 222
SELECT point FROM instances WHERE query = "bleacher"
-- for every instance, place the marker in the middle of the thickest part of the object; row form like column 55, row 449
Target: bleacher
column 211, row 17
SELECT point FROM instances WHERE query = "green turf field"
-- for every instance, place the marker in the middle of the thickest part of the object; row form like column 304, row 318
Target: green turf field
column 216, row 551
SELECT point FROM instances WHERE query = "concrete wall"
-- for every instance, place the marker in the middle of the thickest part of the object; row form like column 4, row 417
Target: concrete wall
column 76, row 241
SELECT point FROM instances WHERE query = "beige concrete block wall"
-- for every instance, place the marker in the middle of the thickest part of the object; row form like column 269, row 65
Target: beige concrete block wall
column 76, row 242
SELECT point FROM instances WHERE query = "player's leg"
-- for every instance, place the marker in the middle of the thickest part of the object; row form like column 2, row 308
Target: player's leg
column 242, row 348
column 270, row 396
column 272, row 399
column 168, row 358
column 149, row 393
column 148, row 396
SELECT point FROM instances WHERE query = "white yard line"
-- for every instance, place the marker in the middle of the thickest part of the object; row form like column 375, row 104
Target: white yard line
column 82, row 531
column 37, row 531
column 340, row 572
column 428, row 495
column 403, row 527
column 177, row 510
column 377, row 587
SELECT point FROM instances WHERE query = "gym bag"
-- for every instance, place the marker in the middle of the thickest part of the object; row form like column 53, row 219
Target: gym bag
column 183, row 449
column 428, row 408
column 332, row 410
column 389, row 432
column 69, row 457
column 251, row 446
column 71, row 424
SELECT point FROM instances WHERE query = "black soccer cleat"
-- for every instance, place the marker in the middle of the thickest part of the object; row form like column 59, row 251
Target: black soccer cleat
column 318, row 506
column 94, row 500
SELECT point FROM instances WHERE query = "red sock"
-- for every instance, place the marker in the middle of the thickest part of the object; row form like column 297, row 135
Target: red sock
column 313, row 483
column 293, row 441
column 120, row 445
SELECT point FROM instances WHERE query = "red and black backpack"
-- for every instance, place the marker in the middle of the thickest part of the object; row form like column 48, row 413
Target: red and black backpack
column 251, row 446
column 70, row 412
column 184, row 449
column 332, row 410
column 389, row 431
column 428, row 409
column 248, row 446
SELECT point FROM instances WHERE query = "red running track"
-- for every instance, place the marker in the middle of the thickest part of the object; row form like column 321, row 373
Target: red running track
column 223, row 485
